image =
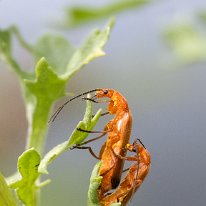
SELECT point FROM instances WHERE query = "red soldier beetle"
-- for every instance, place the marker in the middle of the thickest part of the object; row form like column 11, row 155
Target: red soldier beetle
column 118, row 130
column 134, row 178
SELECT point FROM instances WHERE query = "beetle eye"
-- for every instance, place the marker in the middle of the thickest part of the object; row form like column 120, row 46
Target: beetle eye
column 134, row 150
column 105, row 91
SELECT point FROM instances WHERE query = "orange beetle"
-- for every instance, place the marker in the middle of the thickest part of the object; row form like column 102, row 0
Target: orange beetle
column 134, row 178
column 119, row 129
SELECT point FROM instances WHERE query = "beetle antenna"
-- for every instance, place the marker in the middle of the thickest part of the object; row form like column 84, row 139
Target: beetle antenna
column 53, row 117
column 140, row 142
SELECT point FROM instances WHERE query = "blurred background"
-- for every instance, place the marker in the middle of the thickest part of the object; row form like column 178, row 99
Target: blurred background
column 151, row 64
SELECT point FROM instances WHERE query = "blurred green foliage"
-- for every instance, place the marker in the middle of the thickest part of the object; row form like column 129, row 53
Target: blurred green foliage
column 202, row 16
column 187, row 42
column 7, row 196
column 79, row 15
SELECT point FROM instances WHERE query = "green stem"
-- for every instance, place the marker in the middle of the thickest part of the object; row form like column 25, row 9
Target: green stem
column 38, row 127
column 23, row 43
column 14, row 66
column 37, row 131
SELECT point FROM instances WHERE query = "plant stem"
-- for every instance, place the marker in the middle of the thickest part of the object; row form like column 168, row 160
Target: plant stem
column 23, row 43
column 38, row 127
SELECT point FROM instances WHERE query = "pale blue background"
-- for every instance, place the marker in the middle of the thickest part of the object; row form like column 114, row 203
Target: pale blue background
column 168, row 101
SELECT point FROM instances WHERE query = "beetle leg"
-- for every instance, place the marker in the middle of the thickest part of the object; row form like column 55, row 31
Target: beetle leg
column 130, row 158
column 89, row 148
column 95, row 101
column 103, row 114
column 89, row 131
column 93, row 139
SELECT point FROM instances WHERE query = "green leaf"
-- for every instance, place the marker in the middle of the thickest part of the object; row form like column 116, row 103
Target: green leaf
column 7, row 196
column 28, row 164
column 67, row 60
column 88, row 123
column 80, row 15
column 95, row 182
column 187, row 42
column 90, row 49
column 56, row 49
column 49, row 91
column 76, row 137
column 6, row 53
column 41, row 94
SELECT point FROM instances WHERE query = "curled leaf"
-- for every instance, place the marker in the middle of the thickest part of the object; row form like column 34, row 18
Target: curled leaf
column 76, row 137
column 28, row 164
column 95, row 182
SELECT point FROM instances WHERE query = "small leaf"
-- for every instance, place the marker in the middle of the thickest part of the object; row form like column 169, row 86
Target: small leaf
column 88, row 123
column 95, row 182
column 90, row 49
column 188, row 43
column 67, row 60
column 76, row 137
column 80, row 15
column 7, row 196
column 54, row 87
column 28, row 164
column 56, row 49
